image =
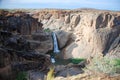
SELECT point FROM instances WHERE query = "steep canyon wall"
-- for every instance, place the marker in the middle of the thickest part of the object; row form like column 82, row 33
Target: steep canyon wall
column 94, row 31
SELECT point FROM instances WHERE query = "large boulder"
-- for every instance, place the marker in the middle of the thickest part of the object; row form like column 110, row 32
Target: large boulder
column 65, row 70
column 63, row 38
column 35, row 75
column 41, row 42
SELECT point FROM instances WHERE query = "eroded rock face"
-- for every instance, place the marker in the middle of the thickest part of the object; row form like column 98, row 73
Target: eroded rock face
column 63, row 38
column 20, row 22
column 94, row 31
column 42, row 42
column 17, row 55
column 75, row 20
column 23, row 45
column 94, row 39
column 114, row 50
column 67, row 19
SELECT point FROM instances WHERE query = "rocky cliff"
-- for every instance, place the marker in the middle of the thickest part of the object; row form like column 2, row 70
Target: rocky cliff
column 25, row 39
column 23, row 44
column 94, row 31
column 19, row 22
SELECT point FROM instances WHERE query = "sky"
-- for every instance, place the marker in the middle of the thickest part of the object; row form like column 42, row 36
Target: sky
column 61, row 4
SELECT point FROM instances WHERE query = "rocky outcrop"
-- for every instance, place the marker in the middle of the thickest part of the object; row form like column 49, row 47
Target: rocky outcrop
column 16, row 55
column 28, row 28
column 94, row 37
column 114, row 50
column 23, row 45
column 63, row 38
column 41, row 42
column 70, row 69
column 94, row 31
column 67, row 19
column 19, row 21
column 75, row 20
column 36, row 75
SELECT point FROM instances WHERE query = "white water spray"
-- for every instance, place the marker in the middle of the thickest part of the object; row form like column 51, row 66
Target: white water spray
column 56, row 49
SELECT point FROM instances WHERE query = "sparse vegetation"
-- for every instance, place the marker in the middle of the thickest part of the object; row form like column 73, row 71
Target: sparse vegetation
column 105, row 65
column 47, row 30
column 76, row 60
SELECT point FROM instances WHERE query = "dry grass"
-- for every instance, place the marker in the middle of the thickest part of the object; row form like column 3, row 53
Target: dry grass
column 105, row 65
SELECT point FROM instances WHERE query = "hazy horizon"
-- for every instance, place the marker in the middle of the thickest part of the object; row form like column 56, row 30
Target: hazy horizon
column 60, row 4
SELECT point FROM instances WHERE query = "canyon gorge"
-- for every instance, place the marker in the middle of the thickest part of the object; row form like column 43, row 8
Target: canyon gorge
column 26, row 39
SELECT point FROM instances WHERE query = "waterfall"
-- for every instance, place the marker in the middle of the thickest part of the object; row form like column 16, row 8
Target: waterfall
column 56, row 49
column 55, row 43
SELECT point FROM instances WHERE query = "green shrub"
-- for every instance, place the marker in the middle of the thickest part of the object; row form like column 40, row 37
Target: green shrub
column 105, row 65
column 115, row 62
column 47, row 30
column 76, row 60
column 21, row 76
